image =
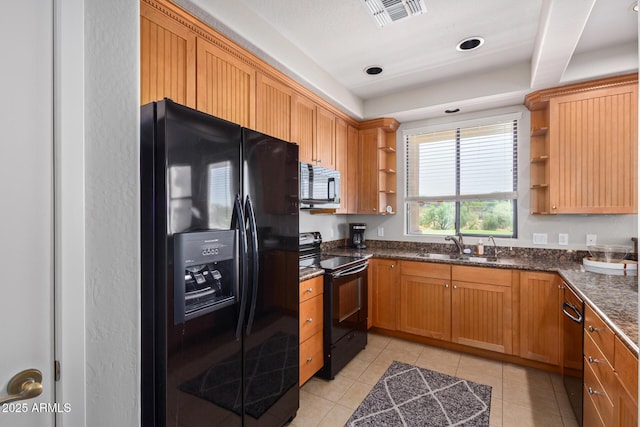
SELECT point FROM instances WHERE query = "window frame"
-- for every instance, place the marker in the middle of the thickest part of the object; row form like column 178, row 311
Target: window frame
column 457, row 126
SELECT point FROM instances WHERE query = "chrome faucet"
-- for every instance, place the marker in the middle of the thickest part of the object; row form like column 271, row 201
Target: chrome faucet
column 495, row 248
column 457, row 241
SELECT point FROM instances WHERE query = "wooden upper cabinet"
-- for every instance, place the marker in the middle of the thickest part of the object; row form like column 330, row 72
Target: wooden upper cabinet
column 273, row 107
column 303, row 120
column 226, row 85
column 325, row 142
column 368, row 171
column 584, row 147
column 167, row 59
column 342, row 162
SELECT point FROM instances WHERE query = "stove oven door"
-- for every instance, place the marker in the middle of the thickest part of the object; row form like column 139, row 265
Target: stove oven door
column 348, row 301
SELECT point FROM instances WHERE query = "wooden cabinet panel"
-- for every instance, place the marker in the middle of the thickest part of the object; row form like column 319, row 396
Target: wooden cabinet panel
column 593, row 151
column 353, row 170
column 540, row 316
column 311, row 288
column 325, row 146
column 226, row 85
column 481, row 316
column 599, row 394
column 303, row 122
column 342, row 162
column 626, row 409
column 273, row 107
column 425, row 306
column 311, row 357
column 626, row 364
column 167, row 59
column 426, row 269
column 492, row 276
column 385, row 292
column 311, row 317
column 600, row 333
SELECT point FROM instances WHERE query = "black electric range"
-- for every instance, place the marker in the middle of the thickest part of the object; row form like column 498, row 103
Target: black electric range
column 344, row 303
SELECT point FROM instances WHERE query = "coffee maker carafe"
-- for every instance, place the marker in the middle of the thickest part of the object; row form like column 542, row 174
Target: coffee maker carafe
column 356, row 235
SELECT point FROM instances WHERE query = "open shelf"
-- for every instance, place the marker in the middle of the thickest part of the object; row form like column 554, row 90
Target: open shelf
column 388, row 170
column 387, row 149
column 539, row 159
column 539, row 131
column 537, row 186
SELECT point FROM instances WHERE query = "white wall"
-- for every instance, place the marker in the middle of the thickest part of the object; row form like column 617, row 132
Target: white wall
column 112, row 319
column 611, row 229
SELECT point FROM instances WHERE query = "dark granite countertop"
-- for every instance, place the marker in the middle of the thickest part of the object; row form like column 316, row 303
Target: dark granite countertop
column 613, row 297
column 307, row 273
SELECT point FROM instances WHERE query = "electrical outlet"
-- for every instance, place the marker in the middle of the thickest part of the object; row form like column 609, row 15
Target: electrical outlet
column 563, row 239
column 592, row 239
column 380, row 231
column 539, row 238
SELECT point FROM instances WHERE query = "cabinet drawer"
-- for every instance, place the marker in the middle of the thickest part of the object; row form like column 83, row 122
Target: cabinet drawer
column 311, row 288
column 601, row 367
column 490, row 276
column 595, row 391
column 310, row 317
column 600, row 333
column 425, row 269
column 311, row 358
column 626, row 364
column 590, row 416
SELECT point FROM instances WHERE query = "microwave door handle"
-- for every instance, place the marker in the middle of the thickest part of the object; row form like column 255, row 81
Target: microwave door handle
column 238, row 221
column 253, row 230
column 351, row 271
column 577, row 317
column 331, row 189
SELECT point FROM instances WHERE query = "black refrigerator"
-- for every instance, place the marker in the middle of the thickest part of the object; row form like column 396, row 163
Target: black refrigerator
column 219, row 271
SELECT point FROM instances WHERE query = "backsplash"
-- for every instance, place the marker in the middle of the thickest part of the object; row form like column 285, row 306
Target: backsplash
column 560, row 255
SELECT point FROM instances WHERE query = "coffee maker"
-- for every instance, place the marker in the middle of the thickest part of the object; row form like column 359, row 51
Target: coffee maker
column 356, row 235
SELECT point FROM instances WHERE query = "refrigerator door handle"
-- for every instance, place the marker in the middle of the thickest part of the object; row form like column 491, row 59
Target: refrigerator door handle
column 238, row 221
column 253, row 232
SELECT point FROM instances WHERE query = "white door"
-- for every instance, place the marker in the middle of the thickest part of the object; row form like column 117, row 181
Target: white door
column 26, row 207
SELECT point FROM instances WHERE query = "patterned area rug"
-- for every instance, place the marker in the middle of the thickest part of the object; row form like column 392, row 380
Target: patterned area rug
column 407, row 395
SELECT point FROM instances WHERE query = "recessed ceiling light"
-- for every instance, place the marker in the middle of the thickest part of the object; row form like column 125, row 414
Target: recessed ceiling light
column 635, row 7
column 373, row 70
column 470, row 43
column 451, row 110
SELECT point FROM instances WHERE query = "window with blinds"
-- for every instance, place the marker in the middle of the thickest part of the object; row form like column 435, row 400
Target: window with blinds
column 463, row 180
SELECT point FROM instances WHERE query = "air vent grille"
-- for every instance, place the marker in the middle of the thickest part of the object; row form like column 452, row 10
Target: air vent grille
column 387, row 11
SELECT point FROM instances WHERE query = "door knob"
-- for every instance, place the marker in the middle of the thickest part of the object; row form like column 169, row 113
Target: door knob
column 24, row 385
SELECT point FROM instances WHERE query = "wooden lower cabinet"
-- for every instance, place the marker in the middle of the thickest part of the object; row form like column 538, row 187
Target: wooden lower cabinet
column 425, row 299
column 541, row 317
column 384, row 287
column 311, row 327
column 481, row 308
column 626, row 392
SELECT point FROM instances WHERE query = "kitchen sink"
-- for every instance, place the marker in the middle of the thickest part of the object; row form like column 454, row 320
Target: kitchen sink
column 458, row 257
column 437, row 256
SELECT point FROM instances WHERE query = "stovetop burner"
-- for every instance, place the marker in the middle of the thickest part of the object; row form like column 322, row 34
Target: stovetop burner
column 311, row 256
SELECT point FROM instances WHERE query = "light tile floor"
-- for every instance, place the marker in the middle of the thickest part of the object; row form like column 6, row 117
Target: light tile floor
column 520, row 396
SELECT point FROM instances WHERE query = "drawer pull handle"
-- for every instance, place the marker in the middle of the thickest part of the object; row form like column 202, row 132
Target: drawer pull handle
column 592, row 360
column 596, row 392
column 309, row 359
column 592, row 329
column 309, row 290
column 309, row 319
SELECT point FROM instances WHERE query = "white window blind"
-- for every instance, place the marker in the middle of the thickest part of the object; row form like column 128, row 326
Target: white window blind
column 475, row 163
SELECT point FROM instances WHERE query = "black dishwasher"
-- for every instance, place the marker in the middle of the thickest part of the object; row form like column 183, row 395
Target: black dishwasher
column 572, row 340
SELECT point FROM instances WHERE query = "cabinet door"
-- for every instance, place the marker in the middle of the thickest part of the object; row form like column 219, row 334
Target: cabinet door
column 342, row 162
column 226, row 85
column 167, row 59
column 425, row 306
column 481, row 316
column 593, row 151
column 368, row 172
column 273, row 108
column 303, row 121
column 353, row 169
column 385, row 289
column 540, row 317
column 325, row 138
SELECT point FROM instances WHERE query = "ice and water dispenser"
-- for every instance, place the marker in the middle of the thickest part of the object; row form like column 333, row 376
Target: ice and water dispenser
column 205, row 272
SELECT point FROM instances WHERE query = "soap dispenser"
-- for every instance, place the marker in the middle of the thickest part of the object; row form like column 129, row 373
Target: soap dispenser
column 480, row 248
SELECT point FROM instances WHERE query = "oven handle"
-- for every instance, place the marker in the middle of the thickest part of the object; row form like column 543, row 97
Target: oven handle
column 353, row 270
column 578, row 318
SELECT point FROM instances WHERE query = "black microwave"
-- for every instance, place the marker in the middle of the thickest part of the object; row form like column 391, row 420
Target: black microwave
column 319, row 187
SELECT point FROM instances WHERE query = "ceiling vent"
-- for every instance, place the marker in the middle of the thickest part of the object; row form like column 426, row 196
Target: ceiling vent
column 387, row 11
